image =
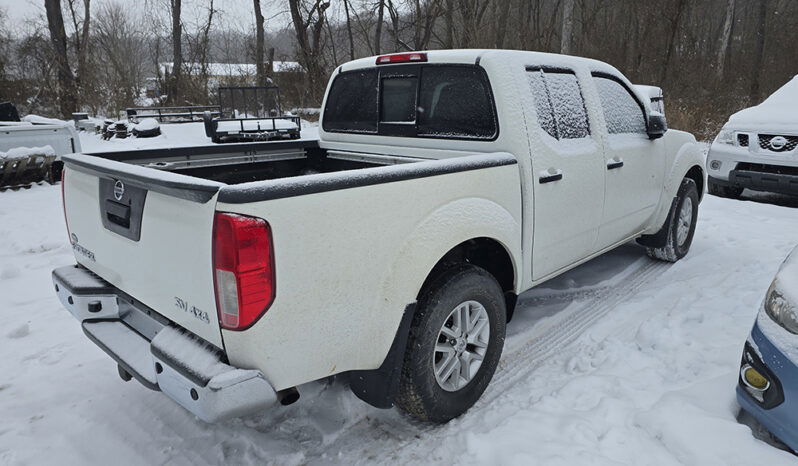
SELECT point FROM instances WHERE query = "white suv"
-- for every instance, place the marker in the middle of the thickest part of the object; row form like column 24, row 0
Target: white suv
column 758, row 148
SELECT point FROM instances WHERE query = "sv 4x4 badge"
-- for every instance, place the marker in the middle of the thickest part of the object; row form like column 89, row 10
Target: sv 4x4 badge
column 185, row 307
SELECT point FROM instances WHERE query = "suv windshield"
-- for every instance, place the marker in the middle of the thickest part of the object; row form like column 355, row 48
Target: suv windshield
column 437, row 101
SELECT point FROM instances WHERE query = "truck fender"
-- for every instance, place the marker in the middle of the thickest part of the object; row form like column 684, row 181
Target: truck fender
column 688, row 161
column 456, row 222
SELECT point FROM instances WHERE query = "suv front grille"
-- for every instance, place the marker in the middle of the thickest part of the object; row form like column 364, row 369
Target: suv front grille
column 777, row 143
column 742, row 140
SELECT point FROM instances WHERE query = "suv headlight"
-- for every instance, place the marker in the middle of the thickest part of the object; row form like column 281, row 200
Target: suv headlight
column 781, row 310
column 726, row 136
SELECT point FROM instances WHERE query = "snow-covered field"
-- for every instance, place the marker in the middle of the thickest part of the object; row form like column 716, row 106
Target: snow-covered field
column 621, row 361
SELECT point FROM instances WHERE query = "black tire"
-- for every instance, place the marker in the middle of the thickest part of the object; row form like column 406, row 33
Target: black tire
column 420, row 395
column 729, row 192
column 674, row 248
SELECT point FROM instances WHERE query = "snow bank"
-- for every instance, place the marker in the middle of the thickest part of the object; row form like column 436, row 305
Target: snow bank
column 777, row 112
column 25, row 152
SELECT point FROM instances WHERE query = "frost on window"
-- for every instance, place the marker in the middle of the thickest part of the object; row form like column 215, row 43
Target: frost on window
column 537, row 84
column 569, row 107
column 454, row 101
column 621, row 110
column 560, row 106
column 352, row 103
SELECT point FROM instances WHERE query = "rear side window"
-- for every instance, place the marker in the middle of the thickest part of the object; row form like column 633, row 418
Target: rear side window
column 352, row 103
column 621, row 110
column 455, row 101
column 435, row 101
column 559, row 103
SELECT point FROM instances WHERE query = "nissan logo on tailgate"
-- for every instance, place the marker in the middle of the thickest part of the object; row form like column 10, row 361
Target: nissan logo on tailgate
column 119, row 190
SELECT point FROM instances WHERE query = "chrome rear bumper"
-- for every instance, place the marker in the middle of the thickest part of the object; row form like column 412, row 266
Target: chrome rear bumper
column 159, row 355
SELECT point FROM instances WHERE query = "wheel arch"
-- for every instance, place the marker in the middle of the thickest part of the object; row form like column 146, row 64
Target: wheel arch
column 696, row 173
column 486, row 253
column 476, row 230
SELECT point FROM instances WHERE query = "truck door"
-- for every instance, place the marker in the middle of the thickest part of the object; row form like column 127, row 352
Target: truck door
column 635, row 164
column 568, row 172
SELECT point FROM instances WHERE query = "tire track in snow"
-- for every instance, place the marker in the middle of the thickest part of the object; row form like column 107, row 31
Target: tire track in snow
column 556, row 338
column 566, row 326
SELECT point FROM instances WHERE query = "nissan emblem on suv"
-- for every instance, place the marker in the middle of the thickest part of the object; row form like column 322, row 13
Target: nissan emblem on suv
column 119, row 190
column 778, row 143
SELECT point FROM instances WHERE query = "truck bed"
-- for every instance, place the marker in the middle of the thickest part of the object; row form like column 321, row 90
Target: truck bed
column 233, row 164
column 127, row 210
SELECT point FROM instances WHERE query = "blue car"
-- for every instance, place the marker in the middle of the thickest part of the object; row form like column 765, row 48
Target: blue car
column 768, row 382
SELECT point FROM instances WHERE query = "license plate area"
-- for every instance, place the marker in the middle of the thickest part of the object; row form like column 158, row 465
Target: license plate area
column 121, row 207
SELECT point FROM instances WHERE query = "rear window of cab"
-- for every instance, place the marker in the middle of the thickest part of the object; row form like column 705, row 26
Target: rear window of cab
column 434, row 101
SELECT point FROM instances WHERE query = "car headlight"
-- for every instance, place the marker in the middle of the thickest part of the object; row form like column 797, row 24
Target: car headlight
column 781, row 310
column 726, row 136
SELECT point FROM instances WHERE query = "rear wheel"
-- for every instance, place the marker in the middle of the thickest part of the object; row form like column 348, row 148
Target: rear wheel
column 730, row 192
column 680, row 226
column 455, row 342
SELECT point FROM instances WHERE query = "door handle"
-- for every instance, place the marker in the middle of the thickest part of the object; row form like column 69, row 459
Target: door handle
column 547, row 176
column 614, row 163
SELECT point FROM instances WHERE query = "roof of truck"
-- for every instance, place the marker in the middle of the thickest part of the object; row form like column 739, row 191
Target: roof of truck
column 522, row 57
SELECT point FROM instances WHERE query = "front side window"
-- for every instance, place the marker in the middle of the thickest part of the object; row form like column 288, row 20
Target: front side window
column 435, row 101
column 559, row 103
column 621, row 110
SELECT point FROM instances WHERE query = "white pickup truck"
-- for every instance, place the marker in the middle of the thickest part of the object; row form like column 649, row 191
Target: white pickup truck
column 443, row 184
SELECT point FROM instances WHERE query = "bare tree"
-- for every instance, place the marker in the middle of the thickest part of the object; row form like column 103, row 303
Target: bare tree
column 378, row 29
column 567, row 26
column 176, row 77
column 725, row 37
column 308, row 18
column 119, row 46
column 472, row 13
column 67, row 89
column 260, row 45
column 759, row 50
column 349, row 31
column 81, row 38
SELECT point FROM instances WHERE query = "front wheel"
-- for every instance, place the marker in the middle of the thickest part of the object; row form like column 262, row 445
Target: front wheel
column 681, row 226
column 455, row 342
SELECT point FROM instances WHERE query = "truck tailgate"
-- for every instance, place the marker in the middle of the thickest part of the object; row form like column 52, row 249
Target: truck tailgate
column 147, row 233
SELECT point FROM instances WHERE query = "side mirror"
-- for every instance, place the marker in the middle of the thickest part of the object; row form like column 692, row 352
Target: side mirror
column 657, row 125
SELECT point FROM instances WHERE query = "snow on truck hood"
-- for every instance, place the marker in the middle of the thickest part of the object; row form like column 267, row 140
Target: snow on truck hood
column 777, row 111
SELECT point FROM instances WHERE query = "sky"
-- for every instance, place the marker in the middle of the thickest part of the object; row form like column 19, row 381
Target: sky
column 237, row 12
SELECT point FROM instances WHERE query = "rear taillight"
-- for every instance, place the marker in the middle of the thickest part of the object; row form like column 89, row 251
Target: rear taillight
column 401, row 58
column 243, row 267
column 63, row 203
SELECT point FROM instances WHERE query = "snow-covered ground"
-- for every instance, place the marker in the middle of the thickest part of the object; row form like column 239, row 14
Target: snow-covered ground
column 621, row 361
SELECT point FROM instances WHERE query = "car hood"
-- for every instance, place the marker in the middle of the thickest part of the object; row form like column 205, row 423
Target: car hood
column 777, row 113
